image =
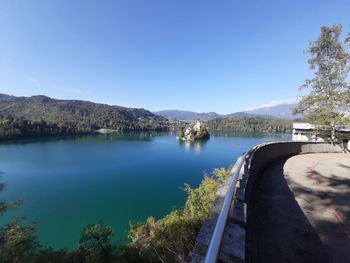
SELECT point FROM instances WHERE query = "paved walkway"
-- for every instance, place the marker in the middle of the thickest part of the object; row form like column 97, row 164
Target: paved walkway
column 302, row 211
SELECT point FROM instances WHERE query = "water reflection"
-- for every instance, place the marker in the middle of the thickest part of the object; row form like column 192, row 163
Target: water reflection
column 197, row 146
column 130, row 136
column 93, row 137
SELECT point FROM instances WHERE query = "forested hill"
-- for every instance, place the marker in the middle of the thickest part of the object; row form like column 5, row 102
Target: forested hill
column 250, row 124
column 71, row 116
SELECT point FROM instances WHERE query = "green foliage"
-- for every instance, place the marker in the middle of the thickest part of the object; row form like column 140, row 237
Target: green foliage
column 6, row 205
column 329, row 88
column 199, row 199
column 180, row 133
column 221, row 174
column 172, row 237
column 193, row 134
column 13, row 128
column 126, row 254
column 17, row 241
column 250, row 124
column 45, row 255
column 165, row 240
column 23, row 117
column 201, row 135
column 94, row 244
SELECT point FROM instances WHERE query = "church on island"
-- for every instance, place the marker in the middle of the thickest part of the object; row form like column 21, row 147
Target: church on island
column 193, row 132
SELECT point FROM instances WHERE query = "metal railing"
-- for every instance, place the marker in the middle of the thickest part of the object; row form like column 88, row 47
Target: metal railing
column 213, row 251
column 215, row 242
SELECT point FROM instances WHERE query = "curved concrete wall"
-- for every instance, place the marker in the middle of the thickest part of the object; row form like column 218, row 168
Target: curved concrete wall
column 261, row 156
column 237, row 237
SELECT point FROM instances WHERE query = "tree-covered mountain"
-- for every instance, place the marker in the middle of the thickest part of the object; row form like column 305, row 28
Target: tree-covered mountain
column 7, row 98
column 25, row 117
column 250, row 124
column 47, row 115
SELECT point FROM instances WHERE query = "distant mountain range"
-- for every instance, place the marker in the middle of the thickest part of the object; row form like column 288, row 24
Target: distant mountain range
column 280, row 111
column 187, row 115
column 37, row 116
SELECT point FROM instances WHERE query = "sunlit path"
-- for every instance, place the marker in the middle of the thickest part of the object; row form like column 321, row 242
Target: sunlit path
column 302, row 211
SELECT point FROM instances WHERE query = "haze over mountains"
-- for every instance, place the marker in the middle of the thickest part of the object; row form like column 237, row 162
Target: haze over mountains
column 280, row 111
column 187, row 115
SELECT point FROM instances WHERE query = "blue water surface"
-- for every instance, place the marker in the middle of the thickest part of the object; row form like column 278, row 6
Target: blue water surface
column 68, row 183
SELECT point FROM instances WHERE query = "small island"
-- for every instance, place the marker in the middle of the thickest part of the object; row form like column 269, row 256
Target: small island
column 193, row 132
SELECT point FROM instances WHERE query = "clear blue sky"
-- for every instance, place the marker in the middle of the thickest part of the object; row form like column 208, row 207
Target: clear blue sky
column 220, row 56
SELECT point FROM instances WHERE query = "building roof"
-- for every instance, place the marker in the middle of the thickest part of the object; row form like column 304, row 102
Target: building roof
column 309, row 126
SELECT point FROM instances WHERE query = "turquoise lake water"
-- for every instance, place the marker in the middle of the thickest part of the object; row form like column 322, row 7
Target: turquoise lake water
column 68, row 183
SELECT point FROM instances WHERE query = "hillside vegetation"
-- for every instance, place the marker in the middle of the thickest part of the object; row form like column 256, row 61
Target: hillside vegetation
column 250, row 124
column 41, row 115
column 36, row 116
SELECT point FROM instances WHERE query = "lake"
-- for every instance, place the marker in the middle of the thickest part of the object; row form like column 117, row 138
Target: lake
column 68, row 183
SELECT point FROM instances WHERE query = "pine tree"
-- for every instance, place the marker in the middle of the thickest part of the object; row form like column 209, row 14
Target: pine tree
column 329, row 88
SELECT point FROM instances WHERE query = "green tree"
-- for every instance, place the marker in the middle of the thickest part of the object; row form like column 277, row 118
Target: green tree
column 180, row 133
column 17, row 242
column 94, row 244
column 329, row 88
column 172, row 237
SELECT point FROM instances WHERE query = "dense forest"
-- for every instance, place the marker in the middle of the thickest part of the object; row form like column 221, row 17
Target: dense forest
column 13, row 128
column 250, row 124
column 23, row 117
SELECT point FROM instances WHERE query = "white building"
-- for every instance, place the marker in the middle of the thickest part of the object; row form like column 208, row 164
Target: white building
column 303, row 131
column 197, row 126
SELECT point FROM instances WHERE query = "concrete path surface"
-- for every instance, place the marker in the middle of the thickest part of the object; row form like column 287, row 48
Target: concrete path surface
column 302, row 210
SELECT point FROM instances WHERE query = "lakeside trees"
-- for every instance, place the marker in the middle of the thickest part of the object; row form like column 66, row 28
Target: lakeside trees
column 24, row 117
column 18, row 241
column 172, row 237
column 250, row 124
column 330, row 92
column 16, row 128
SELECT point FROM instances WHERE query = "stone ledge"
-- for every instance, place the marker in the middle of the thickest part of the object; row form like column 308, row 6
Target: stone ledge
column 240, row 194
column 233, row 243
column 239, row 213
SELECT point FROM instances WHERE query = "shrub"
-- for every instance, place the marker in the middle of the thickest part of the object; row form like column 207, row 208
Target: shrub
column 172, row 237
